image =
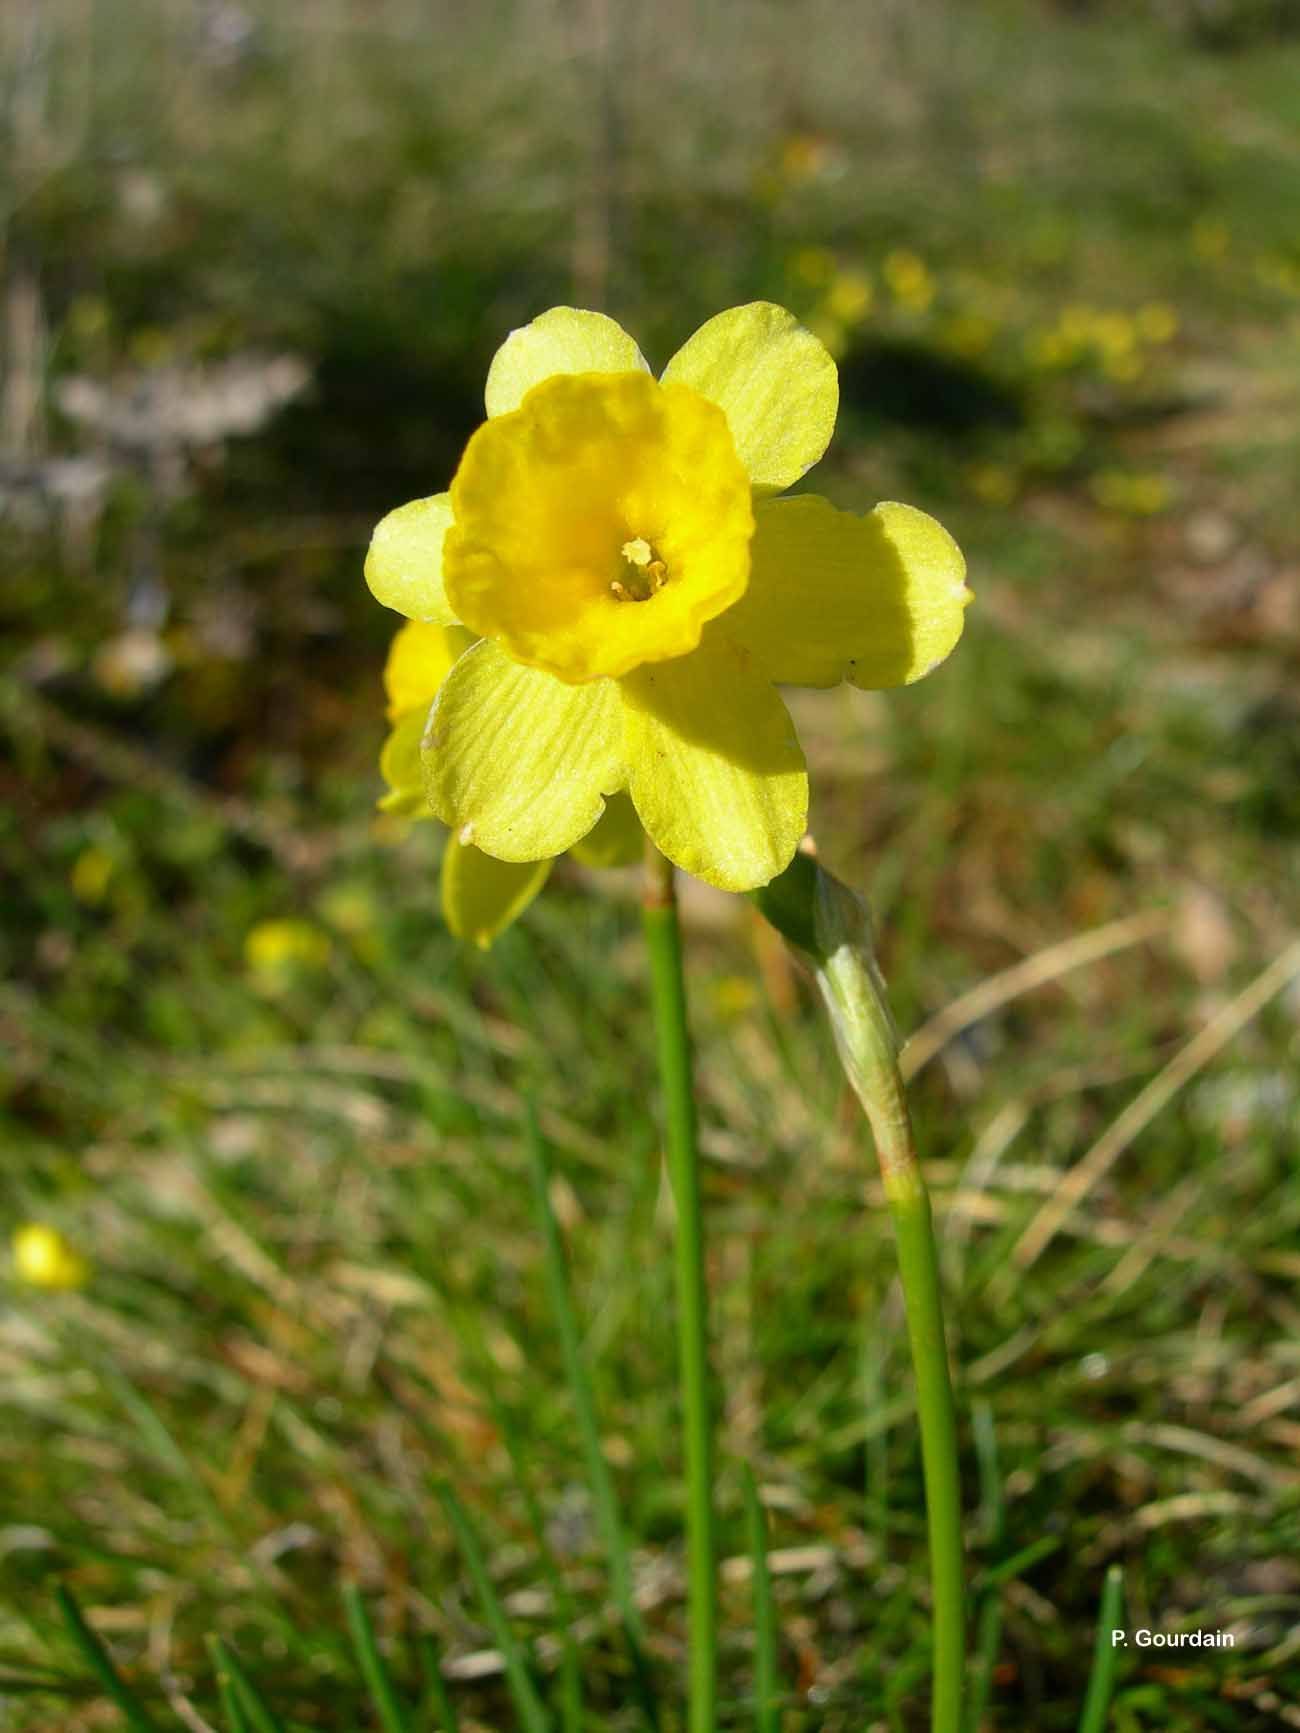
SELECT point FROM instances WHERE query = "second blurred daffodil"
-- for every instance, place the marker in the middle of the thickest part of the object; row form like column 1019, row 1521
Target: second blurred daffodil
column 481, row 896
column 638, row 596
column 45, row 1258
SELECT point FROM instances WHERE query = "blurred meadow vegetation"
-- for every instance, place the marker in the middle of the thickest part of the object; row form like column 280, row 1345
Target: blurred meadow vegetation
column 255, row 259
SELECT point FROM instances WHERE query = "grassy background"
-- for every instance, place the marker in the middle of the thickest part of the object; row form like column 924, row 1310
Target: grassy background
column 1058, row 252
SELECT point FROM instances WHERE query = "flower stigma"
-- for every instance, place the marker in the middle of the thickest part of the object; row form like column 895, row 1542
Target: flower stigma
column 644, row 575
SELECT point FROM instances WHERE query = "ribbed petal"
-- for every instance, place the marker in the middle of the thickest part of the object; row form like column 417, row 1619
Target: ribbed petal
column 482, row 896
column 516, row 761
column 419, row 659
column 404, row 565
column 400, row 767
column 714, row 768
column 876, row 600
column 563, row 340
column 776, row 382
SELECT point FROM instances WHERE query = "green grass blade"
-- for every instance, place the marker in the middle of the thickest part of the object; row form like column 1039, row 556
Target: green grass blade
column 599, row 1479
column 258, row 1715
column 527, row 1703
column 1105, row 1655
column 570, row 1688
column 437, row 1711
column 231, row 1708
column 99, row 1661
column 992, row 1505
column 988, row 1643
column 767, row 1713
column 374, row 1669
column 1021, row 1561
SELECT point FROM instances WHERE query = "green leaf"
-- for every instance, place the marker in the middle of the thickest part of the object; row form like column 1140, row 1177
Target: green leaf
column 101, row 1665
column 374, row 1669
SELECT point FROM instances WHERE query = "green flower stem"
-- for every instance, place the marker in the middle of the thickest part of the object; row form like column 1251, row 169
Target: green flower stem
column 824, row 919
column 918, row 1267
column 854, row 996
column 668, row 990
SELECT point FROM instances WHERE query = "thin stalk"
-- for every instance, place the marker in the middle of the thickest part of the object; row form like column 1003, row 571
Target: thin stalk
column 438, row 1709
column 821, row 916
column 668, row 991
column 1105, row 1655
column 918, row 1268
column 374, row 1669
column 767, row 1708
column 528, row 1705
column 98, row 1660
column 257, row 1712
column 231, row 1707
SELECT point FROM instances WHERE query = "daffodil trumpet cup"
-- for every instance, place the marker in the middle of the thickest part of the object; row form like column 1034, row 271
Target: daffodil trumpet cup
column 830, row 927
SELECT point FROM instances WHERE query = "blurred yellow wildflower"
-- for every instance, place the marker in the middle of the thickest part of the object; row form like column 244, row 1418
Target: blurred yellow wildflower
column 909, row 280
column 1123, row 367
column 849, row 296
column 829, row 332
column 351, row 910
column 1050, row 351
column 803, row 156
column 91, row 871
column 1210, row 238
column 815, row 265
column 1279, row 274
column 969, row 335
column 1157, row 322
column 481, row 896
column 45, row 1258
column 274, row 949
column 1131, row 495
column 610, row 539
column 993, row 483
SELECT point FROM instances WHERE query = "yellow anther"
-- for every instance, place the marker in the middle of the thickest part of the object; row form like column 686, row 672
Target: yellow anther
column 645, row 575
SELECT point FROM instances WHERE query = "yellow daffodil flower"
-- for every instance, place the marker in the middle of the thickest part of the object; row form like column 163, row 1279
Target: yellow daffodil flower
column 273, row 950
column 638, row 595
column 45, row 1258
column 481, row 896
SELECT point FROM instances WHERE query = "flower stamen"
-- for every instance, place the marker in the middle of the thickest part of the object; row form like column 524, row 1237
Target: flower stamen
column 644, row 576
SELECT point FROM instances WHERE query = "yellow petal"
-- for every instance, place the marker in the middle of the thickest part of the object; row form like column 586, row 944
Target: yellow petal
column 776, row 382
column 400, row 767
column 482, row 896
column 517, row 761
column 615, row 840
column 404, row 565
column 564, row 340
column 876, row 600
column 600, row 525
column 419, row 660
column 714, row 767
